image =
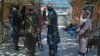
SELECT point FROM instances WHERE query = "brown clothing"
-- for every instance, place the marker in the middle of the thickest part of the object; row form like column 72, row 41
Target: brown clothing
column 30, row 44
column 86, row 33
column 31, row 31
column 85, row 29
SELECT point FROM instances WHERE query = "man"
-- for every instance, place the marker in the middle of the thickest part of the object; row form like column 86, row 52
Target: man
column 53, row 37
column 31, row 30
column 41, row 24
column 84, row 31
column 15, row 23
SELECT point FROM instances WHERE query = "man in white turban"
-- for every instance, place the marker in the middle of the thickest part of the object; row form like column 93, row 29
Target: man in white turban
column 84, row 31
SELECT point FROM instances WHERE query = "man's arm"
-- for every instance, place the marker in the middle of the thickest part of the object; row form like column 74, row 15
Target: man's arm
column 85, row 27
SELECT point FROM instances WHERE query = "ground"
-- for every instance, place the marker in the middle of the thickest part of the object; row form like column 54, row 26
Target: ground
column 67, row 47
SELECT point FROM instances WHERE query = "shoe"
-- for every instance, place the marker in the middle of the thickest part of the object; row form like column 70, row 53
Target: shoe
column 40, row 47
column 19, row 46
column 53, row 54
column 83, row 54
column 16, row 49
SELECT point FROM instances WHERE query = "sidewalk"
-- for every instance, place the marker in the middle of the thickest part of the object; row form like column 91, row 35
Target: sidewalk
column 67, row 47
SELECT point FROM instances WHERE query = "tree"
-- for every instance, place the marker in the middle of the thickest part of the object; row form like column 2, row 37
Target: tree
column 2, row 8
column 95, row 1
column 37, row 2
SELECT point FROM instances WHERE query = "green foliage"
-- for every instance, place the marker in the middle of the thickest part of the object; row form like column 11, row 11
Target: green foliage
column 95, row 1
column 37, row 2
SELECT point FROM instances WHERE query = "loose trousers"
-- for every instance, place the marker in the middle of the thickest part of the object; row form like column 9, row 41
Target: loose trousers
column 53, row 49
column 15, row 36
column 83, row 44
column 30, row 44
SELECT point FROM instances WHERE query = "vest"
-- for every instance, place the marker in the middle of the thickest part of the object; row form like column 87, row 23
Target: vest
column 86, row 33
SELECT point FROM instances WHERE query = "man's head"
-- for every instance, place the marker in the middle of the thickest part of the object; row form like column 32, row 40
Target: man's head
column 85, row 14
column 16, row 5
column 31, row 6
column 49, row 8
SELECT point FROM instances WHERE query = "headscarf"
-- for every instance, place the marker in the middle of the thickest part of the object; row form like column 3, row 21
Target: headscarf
column 84, row 20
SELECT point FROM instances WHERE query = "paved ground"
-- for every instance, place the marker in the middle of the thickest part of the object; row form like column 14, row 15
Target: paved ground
column 67, row 47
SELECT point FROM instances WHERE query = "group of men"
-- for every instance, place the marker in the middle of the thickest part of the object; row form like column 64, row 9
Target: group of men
column 29, row 22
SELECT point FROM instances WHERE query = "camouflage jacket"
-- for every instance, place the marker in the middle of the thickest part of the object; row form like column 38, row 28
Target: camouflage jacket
column 31, row 23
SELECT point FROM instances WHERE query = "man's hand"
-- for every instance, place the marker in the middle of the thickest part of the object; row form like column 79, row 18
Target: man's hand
column 81, row 32
column 78, row 30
